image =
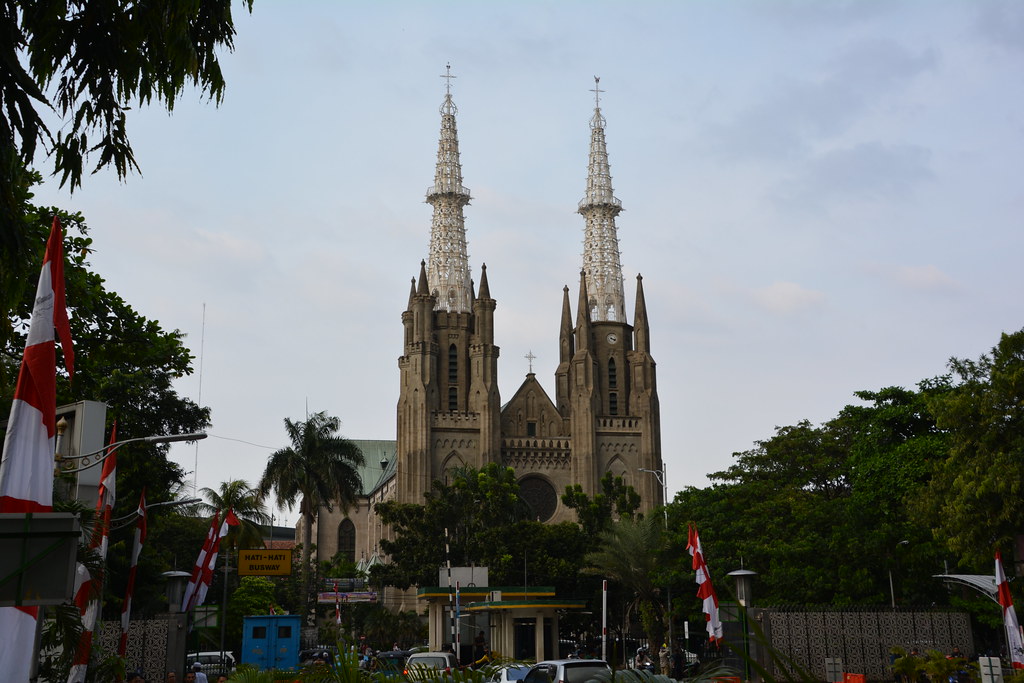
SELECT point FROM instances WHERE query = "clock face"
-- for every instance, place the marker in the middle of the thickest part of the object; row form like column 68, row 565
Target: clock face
column 612, row 338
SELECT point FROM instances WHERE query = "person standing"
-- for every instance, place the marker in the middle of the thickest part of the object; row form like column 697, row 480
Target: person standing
column 200, row 677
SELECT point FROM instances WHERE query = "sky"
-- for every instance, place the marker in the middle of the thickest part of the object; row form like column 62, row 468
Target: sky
column 821, row 196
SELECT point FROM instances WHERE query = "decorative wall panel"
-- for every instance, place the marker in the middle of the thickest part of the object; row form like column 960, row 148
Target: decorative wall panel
column 862, row 639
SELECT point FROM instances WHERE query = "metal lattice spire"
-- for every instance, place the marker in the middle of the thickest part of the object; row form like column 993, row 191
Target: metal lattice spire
column 448, row 263
column 601, row 243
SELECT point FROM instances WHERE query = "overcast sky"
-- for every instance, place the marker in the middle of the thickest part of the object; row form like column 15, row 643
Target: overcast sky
column 822, row 197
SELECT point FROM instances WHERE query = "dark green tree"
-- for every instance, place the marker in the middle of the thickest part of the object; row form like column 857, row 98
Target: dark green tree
column 616, row 500
column 821, row 511
column 476, row 507
column 83, row 64
column 319, row 469
column 629, row 555
column 975, row 499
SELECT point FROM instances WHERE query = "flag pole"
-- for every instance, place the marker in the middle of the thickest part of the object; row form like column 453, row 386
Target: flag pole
column 224, row 604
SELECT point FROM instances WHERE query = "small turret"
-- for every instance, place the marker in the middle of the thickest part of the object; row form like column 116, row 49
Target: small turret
column 641, row 328
column 583, row 316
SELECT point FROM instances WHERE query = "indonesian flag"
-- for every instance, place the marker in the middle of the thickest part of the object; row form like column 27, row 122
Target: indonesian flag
column 337, row 605
column 705, row 590
column 126, row 609
column 88, row 589
column 191, row 593
column 1013, row 638
column 26, row 472
column 211, row 561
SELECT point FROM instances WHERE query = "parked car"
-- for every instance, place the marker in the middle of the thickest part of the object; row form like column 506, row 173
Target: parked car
column 315, row 655
column 426, row 661
column 566, row 671
column 212, row 662
column 508, row 673
column 390, row 663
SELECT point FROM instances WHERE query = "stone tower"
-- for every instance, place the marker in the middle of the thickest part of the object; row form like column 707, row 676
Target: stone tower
column 448, row 404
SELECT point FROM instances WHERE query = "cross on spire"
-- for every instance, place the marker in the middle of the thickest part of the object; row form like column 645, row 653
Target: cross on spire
column 597, row 92
column 447, row 75
column 530, row 357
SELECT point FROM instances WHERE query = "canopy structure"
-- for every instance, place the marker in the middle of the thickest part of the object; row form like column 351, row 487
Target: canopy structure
column 983, row 583
column 519, row 622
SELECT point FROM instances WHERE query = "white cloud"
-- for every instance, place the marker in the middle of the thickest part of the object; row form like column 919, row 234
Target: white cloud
column 926, row 278
column 787, row 298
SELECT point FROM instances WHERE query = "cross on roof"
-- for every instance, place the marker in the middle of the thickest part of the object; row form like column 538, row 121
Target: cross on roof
column 597, row 92
column 530, row 357
column 447, row 75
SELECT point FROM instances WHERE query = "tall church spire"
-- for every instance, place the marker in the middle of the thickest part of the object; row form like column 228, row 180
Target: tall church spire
column 601, row 244
column 448, row 263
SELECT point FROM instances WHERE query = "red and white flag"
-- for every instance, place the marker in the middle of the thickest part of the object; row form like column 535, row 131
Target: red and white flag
column 1013, row 637
column 126, row 609
column 88, row 589
column 337, row 605
column 26, row 471
column 211, row 560
column 705, row 589
column 191, row 590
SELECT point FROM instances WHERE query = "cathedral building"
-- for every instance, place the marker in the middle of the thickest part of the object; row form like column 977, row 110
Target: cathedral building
column 604, row 415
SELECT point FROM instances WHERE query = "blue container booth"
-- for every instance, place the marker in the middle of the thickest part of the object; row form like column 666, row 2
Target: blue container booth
column 271, row 641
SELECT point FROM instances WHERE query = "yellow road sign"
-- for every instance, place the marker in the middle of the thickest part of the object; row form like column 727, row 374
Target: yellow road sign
column 265, row 562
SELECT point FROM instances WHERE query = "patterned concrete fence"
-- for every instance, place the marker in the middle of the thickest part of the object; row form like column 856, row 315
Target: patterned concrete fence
column 861, row 639
column 148, row 640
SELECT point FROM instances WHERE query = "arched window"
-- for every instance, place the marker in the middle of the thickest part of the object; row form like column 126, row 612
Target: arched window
column 347, row 540
column 453, row 398
column 453, row 365
column 613, row 377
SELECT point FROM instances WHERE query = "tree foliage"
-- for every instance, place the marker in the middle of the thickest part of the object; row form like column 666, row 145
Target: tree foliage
column 84, row 64
column 615, row 500
column 629, row 555
column 489, row 525
column 319, row 469
column 123, row 358
column 975, row 498
column 820, row 511
column 248, row 507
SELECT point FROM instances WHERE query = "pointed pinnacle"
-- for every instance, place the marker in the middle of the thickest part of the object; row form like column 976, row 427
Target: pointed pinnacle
column 422, row 289
column 485, row 290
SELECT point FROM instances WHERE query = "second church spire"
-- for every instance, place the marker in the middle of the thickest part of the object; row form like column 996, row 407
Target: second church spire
column 448, row 263
column 601, row 243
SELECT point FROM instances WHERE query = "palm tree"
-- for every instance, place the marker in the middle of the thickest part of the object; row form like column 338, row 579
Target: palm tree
column 248, row 505
column 319, row 469
column 628, row 555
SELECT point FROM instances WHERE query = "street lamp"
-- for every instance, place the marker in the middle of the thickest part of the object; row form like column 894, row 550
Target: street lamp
column 661, row 476
column 69, row 467
column 663, row 480
column 125, row 520
column 892, row 591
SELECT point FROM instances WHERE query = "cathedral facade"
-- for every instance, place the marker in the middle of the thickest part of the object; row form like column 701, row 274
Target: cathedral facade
column 604, row 415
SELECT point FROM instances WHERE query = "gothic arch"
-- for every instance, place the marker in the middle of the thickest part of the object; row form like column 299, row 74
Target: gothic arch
column 618, row 469
column 347, row 540
column 451, row 461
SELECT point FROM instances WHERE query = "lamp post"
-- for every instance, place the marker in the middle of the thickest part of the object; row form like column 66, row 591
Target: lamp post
column 892, row 590
column 662, row 478
column 63, row 464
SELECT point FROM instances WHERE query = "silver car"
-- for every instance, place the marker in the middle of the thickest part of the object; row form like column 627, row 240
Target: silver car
column 567, row 671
